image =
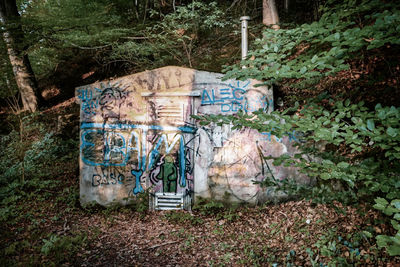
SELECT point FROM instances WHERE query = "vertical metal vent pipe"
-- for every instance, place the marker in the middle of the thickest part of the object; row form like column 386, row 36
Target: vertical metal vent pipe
column 245, row 45
column 286, row 5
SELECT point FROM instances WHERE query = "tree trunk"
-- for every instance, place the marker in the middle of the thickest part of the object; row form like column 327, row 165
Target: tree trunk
column 13, row 38
column 270, row 13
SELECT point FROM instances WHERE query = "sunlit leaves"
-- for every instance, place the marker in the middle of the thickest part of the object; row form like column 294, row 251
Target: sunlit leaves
column 310, row 52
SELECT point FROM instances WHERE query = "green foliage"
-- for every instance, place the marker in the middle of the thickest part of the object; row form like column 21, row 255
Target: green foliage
column 333, row 248
column 75, row 22
column 371, row 167
column 24, row 153
column 114, row 33
column 220, row 209
column 61, row 248
column 208, row 206
column 31, row 147
column 391, row 243
column 175, row 38
column 57, row 31
column 352, row 153
column 184, row 218
column 140, row 203
column 305, row 54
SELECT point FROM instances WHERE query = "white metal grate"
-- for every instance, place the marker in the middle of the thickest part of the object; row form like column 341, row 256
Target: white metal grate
column 171, row 201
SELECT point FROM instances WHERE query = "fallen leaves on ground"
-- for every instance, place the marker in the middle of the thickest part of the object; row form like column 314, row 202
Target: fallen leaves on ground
column 281, row 234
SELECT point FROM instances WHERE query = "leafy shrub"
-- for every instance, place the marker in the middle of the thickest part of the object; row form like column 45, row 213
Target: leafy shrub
column 174, row 38
column 208, row 206
column 310, row 52
column 61, row 248
column 32, row 158
column 370, row 166
column 391, row 243
column 219, row 209
column 359, row 158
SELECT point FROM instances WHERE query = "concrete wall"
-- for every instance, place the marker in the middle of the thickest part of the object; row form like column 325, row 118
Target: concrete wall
column 137, row 132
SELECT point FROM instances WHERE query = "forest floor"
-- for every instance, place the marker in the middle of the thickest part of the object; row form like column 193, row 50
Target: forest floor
column 44, row 224
column 295, row 233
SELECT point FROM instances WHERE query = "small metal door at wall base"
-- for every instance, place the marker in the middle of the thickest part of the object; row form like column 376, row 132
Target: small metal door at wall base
column 170, row 201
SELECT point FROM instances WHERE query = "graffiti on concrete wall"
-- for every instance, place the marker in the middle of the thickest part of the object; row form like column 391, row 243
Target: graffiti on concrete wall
column 137, row 133
column 233, row 97
column 128, row 153
column 293, row 136
column 171, row 168
column 108, row 176
column 161, row 79
column 106, row 100
column 89, row 103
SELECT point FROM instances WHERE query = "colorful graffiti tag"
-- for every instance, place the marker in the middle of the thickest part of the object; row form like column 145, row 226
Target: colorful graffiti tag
column 164, row 158
column 232, row 98
column 293, row 136
column 107, row 98
column 137, row 134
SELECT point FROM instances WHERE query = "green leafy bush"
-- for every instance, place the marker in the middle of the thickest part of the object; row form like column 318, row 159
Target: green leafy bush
column 32, row 158
column 175, row 38
column 310, row 52
column 61, row 248
column 352, row 153
column 391, row 243
column 370, row 166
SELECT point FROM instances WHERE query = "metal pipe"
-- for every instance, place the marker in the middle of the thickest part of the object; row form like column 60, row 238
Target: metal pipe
column 244, row 20
column 286, row 6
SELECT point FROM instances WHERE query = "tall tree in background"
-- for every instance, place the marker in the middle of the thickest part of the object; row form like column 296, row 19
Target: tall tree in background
column 13, row 38
column 270, row 14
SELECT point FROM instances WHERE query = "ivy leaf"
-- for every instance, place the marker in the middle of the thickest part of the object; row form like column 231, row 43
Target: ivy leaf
column 367, row 234
column 314, row 59
column 382, row 115
column 370, row 125
column 381, row 201
column 392, row 132
column 394, row 250
column 343, row 165
column 326, row 176
column 382, row 240
column 395, row 225
column 396, row 203
column 379, row 207
column 390, row 210
column 196, row 117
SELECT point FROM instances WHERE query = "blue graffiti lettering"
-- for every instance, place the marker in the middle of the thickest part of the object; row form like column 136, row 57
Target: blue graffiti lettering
column 292, row 136
column 105, row 147
column 232, row 99
column 89, row 102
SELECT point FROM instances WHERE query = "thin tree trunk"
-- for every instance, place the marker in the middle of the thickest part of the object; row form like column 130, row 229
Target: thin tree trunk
column 145, row 11
column 270, row 13
column 13, row 38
